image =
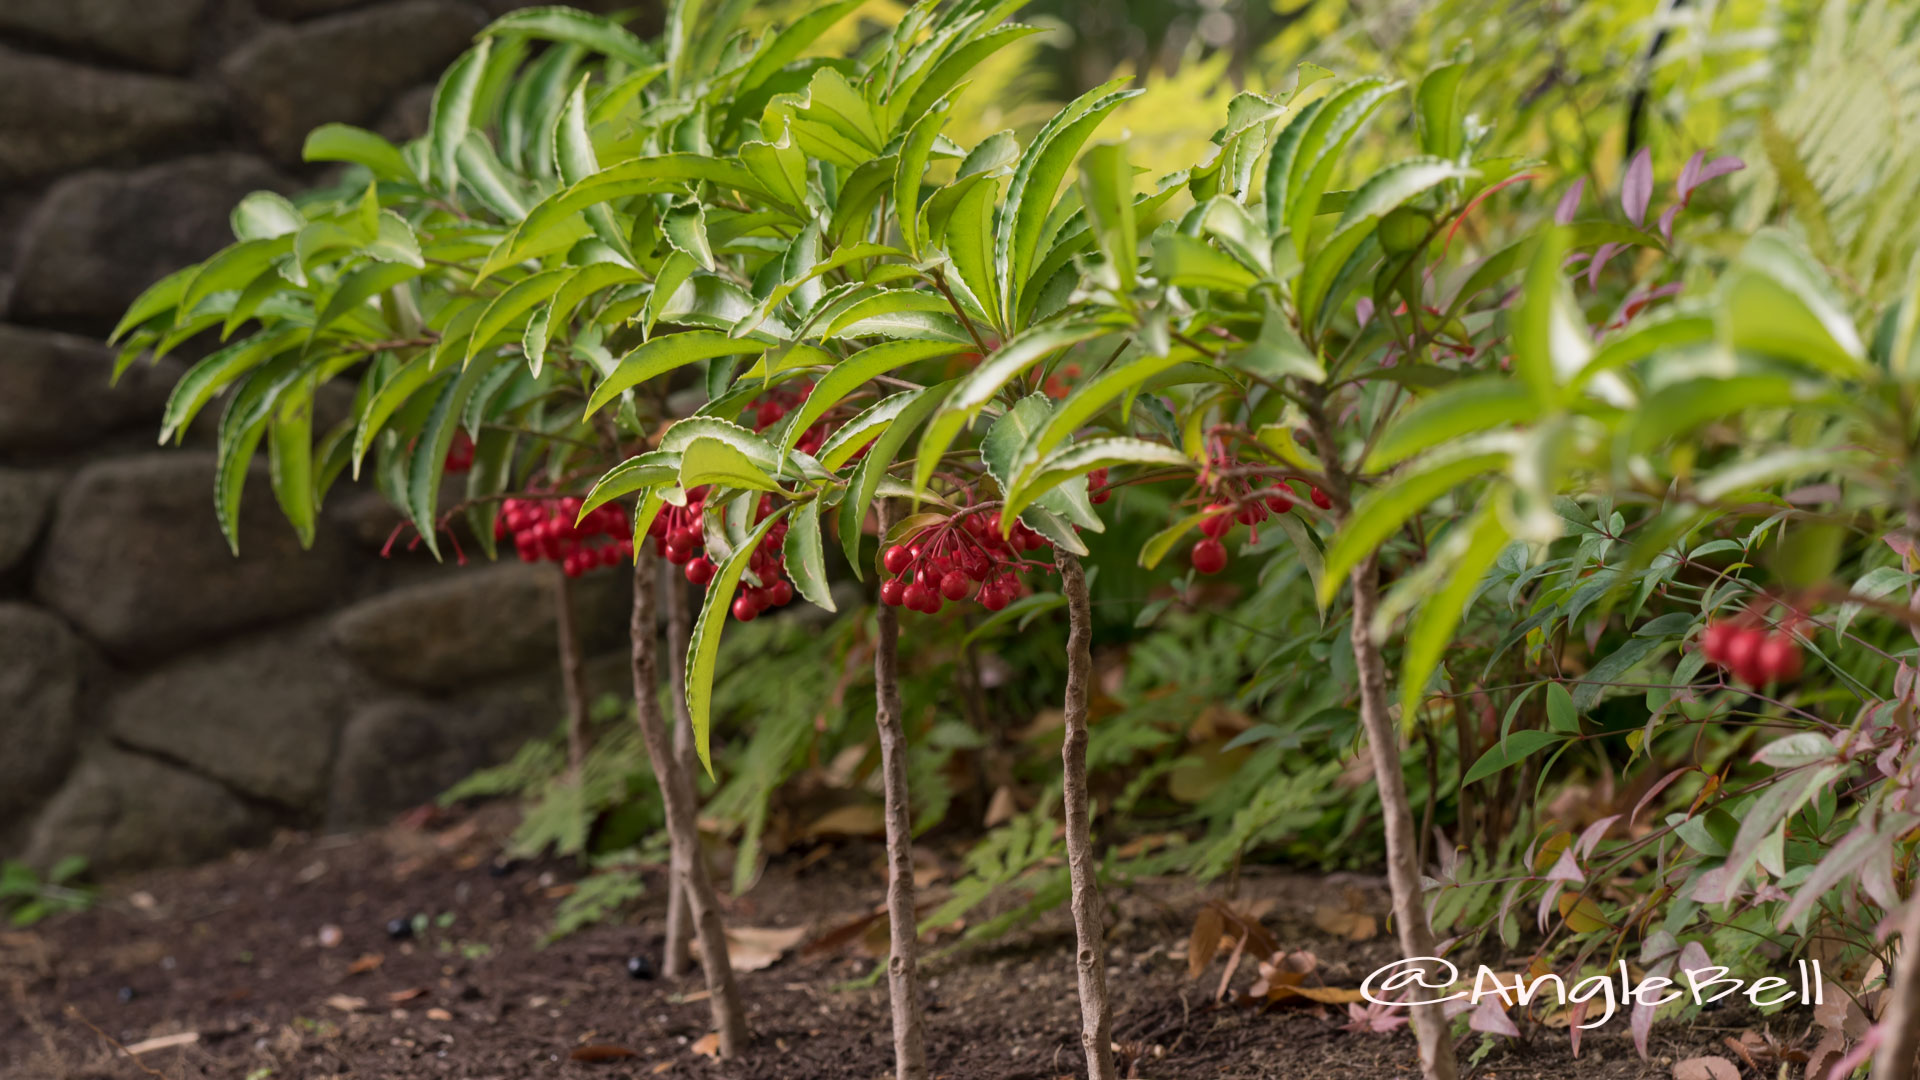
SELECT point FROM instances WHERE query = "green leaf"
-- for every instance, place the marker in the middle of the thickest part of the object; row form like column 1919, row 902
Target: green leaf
column 429, row 459
column 1511, row 750
column 1437, row 106
column 646, row 470
column 1679, row 407
column 913, row 407
column 953, row 67
column 1322, row 146
column 507, row 308
column 1470, row 551
column 664, row 354
column 784, row 46
column 1091, row 397
column 897, row 313
column 232, row 268
column 685, row 228
column 805, row 561
column 1076, row 461
column 1280, row 163
column 712, row 461
column 1395, row 184
column 574, row 156
column 452, row 114
column 214, row 373
column 1381, row 513
column 344, row 142
column 558, row 23
column 1036, row 182
column 1190, row 262
column 703, row 652
column 1661, row 331
column 290, row 459
column 1774, row 301
column 159, row 298
column 263, row 215
column 968, row 239
column 1317, row 281
column 855, row 371
column 1460, row 408
column 911, row 168
column 1610, row 670
column 1106, row 190
column 1551, row 344
column 359, row 287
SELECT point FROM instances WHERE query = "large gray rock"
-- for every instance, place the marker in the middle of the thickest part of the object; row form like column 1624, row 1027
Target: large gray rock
column 290, row 79
column 465, row 627
column 150, row 33
column 399, row 754
column 56, row 393
column 61, row 115
column 43, row 670
column 99, row 238
column 24, row 499
column 136, row 561
column 129, row 811
column 260, row 717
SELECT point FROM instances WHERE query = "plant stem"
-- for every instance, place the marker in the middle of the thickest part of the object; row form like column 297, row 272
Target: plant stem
column 679, row 632
column 676, row 792
column 1901, row 1022
column 1096, row 1020
column 573, row 679
column 903, row 986
column 1403, row 867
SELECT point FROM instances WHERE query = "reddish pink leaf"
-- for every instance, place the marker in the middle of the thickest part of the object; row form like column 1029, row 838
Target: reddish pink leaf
column 1637, row 189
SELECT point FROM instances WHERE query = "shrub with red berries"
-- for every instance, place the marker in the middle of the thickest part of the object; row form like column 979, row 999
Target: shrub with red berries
column 680, row 538
column 1247, row 506
column 1752, row 654
column 545, row 530
column 773, row 407
column 962, row 557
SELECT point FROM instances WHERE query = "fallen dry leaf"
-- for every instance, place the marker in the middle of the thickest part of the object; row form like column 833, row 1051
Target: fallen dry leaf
column 1343, row 923
column 708, row 1044
column 1705, row 1068
column 346, row 1003
column 859, row 819
column 662, row 1067
column 408, row 994
column 367, row 962
column 751, row 948
column 1204, row 942
column 602, row 1052
column 1325, row 995
column 163, row 1042
column 1001, row 808
column 439, row 1014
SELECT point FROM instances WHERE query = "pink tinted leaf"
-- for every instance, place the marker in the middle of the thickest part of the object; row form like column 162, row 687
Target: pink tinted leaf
column 1693, row 957
column 1689, row 175
column 1363, row 310
column 1601, row 258
column 1491, row 1017
column 1857, row 1056
column 1590, row 837
column 1706, row 1068
column 1575, row 1017
column 1637, row 189
column 1642, row 1026
column 1655, row 790
column 1666, row 221
column 1570, row 203
column 1566, row 868
column 1719, row 167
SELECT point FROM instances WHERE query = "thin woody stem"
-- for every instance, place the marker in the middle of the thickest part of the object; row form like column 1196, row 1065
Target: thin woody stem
column 676, row 959
column 1096, row 1018
column 573, row 681
column 903, row 986
column 676, row 792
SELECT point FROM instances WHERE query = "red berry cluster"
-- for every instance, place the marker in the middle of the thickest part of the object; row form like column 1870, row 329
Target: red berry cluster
column 460, row 452
column 1754, row 656
column 773, row 407
column 679, row 538
column 1250, row 509
column 962, row 557
column 1097, row 490
column 543, row 529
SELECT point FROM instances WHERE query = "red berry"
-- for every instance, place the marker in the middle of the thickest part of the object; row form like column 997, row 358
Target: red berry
column 992, row 599
column 1778, row 658
column 687, row 538
column 1742, row 653
column 1715, row 639
column 701, row 570
column 677, row 553
column 1250, row 514
column 744, row 608
column 955, row 585
column 1209, row 556
column 780, row 592
column 893, row 592
column 1279, row 503
column 1219, row 519
column 916, row 596
column 1097, row 491
column 1321, row 499
column 610, row 555
column 932, row 604
column 573, row 566
column 927, row 578
column 896, row 559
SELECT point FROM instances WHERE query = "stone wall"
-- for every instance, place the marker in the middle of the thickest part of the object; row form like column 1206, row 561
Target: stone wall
column 161, row 700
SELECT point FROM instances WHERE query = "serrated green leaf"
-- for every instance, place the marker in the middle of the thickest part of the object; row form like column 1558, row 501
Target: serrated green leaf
column 452, row 113
column 358, row 146
column 573, row 26
column 703, row 651
column 664, row 354
column 1381, row 513
column 1461, row 408
column 805, row 561
column 1470, row 552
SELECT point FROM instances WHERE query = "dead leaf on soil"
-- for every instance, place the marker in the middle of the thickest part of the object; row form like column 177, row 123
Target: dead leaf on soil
column 1344, row 923
column 1001, row 808
column 367, row 962
column 751, row 948
column 1205, row 940
column 860, row 819
column 441, row 1015
column 409, row 994
column 1325, row 995
column 707, row 1045
column 163, row 1042
column 1705, row 1068
column 346, row 1003
column 662, row 1067
column 602, row 1052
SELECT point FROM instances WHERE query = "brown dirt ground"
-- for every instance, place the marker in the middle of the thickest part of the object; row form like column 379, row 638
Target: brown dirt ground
column 233, row 951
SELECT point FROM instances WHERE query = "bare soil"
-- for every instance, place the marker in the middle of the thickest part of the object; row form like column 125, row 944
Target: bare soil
column 242, row 954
